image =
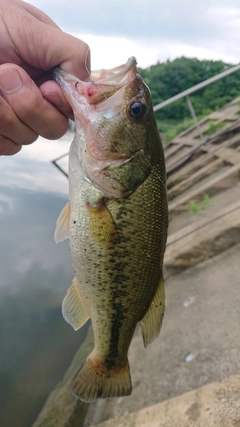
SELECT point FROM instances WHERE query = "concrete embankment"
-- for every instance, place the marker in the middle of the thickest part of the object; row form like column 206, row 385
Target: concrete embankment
column 214, row 405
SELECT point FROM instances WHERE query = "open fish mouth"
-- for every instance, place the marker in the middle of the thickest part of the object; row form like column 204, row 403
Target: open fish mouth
column 103, row 84
column 116, row 75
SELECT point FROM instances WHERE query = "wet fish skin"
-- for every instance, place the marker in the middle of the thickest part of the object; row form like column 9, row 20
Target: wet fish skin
column 116, row 221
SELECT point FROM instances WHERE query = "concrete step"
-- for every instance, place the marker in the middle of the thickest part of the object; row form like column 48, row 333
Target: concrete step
column 213, row 405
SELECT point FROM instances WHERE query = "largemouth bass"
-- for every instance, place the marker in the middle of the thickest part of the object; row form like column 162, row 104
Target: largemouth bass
column 116, row 222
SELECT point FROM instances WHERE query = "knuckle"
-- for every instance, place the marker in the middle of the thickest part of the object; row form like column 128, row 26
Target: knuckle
column 55, row 132
column 29, row 138
column 8, row 147
column 27, row 105
column 29, row 109
column 7, row 119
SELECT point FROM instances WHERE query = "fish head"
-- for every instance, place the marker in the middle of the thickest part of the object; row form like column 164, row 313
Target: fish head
column 115, row 122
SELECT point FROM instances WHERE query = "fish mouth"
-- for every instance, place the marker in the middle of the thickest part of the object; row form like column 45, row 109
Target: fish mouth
column 103, row 85
column 118, row 74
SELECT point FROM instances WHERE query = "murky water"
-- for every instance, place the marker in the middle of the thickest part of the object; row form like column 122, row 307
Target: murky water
column 36, row 344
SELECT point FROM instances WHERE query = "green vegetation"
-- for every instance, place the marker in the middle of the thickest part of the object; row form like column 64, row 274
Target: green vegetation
column 214, row 127
column 196, row 207
column 171, row 129
column 172, row 77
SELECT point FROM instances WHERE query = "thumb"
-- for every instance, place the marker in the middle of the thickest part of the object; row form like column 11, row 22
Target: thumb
column 72, row 54
column 43, row 45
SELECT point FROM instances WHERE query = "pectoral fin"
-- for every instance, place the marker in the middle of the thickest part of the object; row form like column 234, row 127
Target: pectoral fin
column 73, row 309
column 62, row 226
column 152, row 321
column 102, row 226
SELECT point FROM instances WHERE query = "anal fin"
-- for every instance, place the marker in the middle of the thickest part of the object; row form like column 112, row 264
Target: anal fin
column 152, row 321
column 73, row 309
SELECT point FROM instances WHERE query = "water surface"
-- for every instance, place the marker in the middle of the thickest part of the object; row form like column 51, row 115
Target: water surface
column 36, row 344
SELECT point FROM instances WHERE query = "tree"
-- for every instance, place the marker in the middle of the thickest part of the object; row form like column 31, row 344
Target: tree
column 172, row 77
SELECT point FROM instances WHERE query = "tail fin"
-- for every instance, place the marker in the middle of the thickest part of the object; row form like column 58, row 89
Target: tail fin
column 94, row 380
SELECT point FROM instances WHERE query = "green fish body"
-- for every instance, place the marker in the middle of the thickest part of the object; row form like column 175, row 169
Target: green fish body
column 116, row 222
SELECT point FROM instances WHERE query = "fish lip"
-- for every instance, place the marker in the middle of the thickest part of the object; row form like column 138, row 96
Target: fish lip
column 116, row 73
column 60, row 75
column 112, row 75
column 103, row 85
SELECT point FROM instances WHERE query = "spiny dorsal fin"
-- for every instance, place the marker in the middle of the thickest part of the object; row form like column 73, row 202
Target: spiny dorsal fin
column 73, row 309
column 152, row 321
column 62, row 226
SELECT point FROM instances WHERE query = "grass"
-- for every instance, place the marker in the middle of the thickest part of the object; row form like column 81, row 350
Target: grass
column 170, row 130
column 196, row 207
column 214, row 127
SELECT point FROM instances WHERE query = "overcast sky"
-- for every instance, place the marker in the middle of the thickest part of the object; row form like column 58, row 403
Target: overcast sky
column 151, row 30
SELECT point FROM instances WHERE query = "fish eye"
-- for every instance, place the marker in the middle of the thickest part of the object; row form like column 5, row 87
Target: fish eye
column 137, row 110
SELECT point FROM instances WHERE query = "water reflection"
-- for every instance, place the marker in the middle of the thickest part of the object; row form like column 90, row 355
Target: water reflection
column 36, row 344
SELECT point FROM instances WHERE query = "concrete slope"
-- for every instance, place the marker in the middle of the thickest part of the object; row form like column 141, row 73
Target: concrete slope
column 214, row 405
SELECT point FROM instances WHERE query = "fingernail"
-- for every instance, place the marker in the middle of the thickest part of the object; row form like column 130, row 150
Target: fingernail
column 10, row 80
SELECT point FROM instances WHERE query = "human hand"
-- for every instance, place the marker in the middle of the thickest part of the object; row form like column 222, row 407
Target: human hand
column 31, row 103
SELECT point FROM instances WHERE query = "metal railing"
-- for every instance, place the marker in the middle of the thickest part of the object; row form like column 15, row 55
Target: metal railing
column 196, row 87
column 186, row 93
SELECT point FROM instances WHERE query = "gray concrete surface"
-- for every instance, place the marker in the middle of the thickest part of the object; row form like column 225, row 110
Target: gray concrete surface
column 202, row 322
column 214, row 405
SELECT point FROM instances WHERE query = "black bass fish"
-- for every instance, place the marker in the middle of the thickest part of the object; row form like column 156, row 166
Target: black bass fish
column 116, row 222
